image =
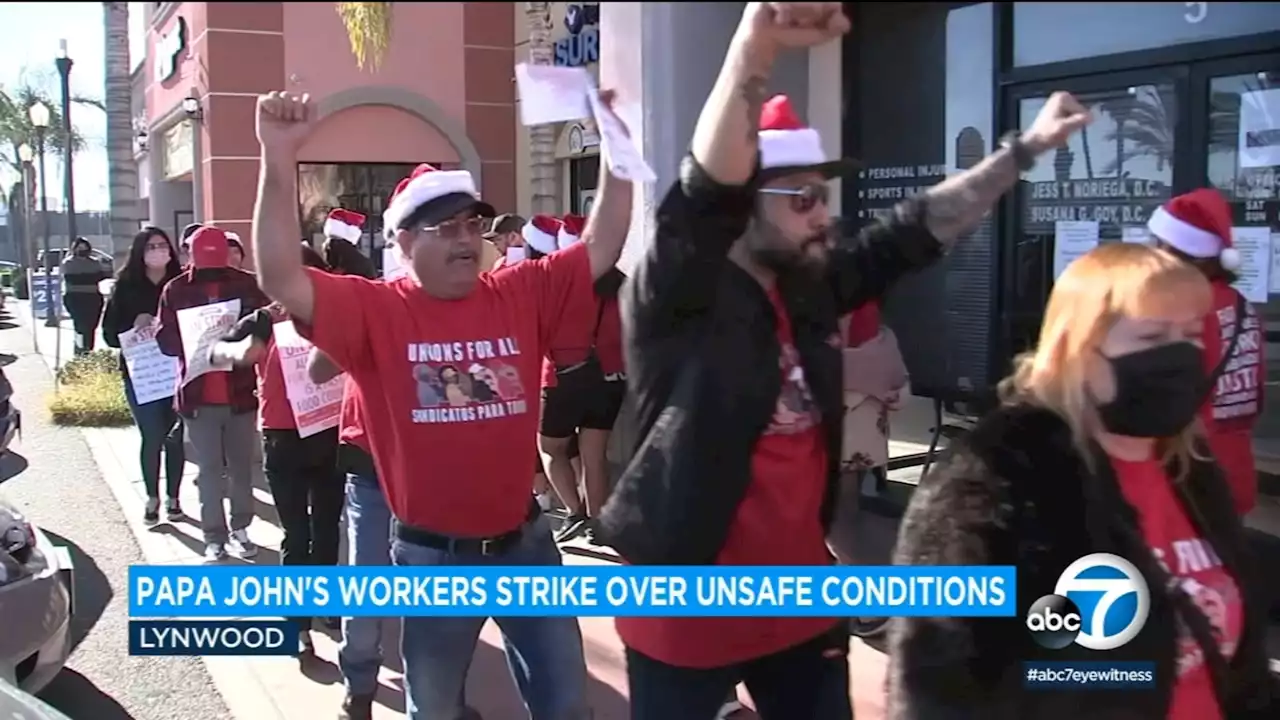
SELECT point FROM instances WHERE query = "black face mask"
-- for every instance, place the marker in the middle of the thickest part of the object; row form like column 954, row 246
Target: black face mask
column 1158, row 391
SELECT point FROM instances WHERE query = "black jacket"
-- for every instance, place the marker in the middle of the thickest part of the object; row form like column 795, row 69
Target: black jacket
column 1017, row 492
column 702, row 362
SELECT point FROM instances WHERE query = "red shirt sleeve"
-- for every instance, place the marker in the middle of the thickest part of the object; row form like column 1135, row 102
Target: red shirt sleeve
column 340, row 316
column 561, row 286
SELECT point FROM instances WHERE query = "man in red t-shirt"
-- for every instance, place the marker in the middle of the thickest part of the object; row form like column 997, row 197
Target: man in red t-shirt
column 1197, row 228
column 429, row 352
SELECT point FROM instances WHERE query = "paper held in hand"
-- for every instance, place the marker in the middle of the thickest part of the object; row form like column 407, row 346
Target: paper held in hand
column 201, row 327
column 550, row 94
column 153, row 374
column 316, row 408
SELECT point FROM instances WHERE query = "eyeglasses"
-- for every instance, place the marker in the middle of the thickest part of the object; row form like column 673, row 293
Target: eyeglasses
column 454, row 229
column 804, row 198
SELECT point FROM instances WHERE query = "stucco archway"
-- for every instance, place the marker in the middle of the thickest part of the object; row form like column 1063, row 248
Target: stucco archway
column 411, row 102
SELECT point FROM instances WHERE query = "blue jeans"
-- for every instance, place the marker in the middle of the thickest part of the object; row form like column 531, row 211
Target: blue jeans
column 156, row 421
column 544, row 653
column 368, row 543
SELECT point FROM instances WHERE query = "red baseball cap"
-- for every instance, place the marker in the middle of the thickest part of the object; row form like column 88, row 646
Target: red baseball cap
column 209, row 248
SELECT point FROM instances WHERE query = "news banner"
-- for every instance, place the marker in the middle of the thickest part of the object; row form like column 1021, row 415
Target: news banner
column 240, row 610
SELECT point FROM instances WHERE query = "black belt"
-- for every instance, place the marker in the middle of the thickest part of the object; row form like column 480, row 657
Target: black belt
column 496, row 545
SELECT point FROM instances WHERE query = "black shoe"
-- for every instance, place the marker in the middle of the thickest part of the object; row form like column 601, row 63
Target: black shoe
column 173, row 511
column 151, row 514
column 356, row 707
column 574, row 525
column 591, row 532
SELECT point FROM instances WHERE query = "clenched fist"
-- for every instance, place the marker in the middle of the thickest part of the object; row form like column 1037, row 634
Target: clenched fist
column 795, row 24
column 284, row 120
column 1061, row 117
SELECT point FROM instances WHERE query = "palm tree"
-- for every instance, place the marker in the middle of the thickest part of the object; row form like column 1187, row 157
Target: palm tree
column 1144, row 128
column 16, row 128
column 368, row 29
column 542, row 139
column 122, row 168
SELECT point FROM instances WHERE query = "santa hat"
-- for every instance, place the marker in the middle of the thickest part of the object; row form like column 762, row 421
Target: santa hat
column 345, row 224
column 541, row 233
column 787, row 146
column 449, row 192
column 1197, row 224
column 570, row 231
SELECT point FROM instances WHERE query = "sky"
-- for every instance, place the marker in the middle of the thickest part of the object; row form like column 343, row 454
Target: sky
column 28, row 53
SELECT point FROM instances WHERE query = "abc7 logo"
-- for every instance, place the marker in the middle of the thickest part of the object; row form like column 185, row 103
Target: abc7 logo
column 1122, row 602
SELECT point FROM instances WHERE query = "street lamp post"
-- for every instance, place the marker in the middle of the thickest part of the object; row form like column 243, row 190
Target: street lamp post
column 27, row 156
column 68, row 180
column 39, row 115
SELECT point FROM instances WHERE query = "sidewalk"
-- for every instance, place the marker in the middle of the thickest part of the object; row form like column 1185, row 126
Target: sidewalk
column 274, row 689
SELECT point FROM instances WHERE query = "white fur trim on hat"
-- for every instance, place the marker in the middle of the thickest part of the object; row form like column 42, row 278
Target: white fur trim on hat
column 423, row 189
column 541, row 241
column 1229, row 259
column 338, row 229
column 1184, row 236
column 564, row 239
column 790, row 148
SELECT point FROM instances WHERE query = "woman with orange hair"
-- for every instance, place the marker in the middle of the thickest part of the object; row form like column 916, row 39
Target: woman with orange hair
column 1096, row 456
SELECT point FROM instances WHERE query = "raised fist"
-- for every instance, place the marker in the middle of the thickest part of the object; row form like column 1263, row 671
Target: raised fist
column 1061, row 117
column 284, row 120
column 796, row 24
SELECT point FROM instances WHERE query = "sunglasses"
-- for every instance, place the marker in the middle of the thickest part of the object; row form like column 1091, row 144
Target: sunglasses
column 454, row 229
column 804, row 198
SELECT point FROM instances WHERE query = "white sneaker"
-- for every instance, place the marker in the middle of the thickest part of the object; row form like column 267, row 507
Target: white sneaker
column 728, row 709
column 241, row 545
column 214, row 552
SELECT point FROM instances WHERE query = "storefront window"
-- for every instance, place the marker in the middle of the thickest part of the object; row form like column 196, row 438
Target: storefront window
column 1049, row 32
column 584, row 175
column 359, row 187
column 1101, row 187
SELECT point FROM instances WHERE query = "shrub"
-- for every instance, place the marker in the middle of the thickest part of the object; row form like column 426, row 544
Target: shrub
column 91, row 392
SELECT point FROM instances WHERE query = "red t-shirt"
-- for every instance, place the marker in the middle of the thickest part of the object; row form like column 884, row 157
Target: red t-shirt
column 1236, row 401
column 778, row 522
column 864, row 324
column 350, row 429
column 1174, row 540
column 274, row 410
column 449, row 388
column 573, row 341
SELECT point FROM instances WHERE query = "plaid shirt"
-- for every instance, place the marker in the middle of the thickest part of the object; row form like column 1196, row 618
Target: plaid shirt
column 194, row 288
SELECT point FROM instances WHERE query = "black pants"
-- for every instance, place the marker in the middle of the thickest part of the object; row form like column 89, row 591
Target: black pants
column 308, row 492
column 161, row 432
column 85, row 309
column 809, row 681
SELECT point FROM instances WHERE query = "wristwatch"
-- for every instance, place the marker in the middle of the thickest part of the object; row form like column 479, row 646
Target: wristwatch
column 1022, row 155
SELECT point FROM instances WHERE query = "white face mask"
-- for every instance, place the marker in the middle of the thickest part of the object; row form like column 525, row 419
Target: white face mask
column 156, row 258
column 515, row 254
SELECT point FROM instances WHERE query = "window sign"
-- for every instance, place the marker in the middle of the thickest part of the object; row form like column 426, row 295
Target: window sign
column 169, row 49
column 1115, row 27
column 582, row 45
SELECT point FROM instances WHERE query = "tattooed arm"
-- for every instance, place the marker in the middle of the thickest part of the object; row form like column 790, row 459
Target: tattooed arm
column 921, row 229
column 725, row 142
column 708, row 207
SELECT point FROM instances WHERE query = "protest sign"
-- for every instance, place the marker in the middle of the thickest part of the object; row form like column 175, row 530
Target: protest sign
column 153, row 374
column 315, row 407
column 201, row 327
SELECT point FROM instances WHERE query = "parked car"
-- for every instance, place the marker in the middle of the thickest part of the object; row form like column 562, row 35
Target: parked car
column 36, row 591
column 18, row 705
column 10, row 415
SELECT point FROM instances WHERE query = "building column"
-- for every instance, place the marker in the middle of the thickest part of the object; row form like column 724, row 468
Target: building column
column 663, row 59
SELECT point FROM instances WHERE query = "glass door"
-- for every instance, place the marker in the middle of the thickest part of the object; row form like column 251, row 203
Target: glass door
column 1237, row 125
column 1101, row 187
